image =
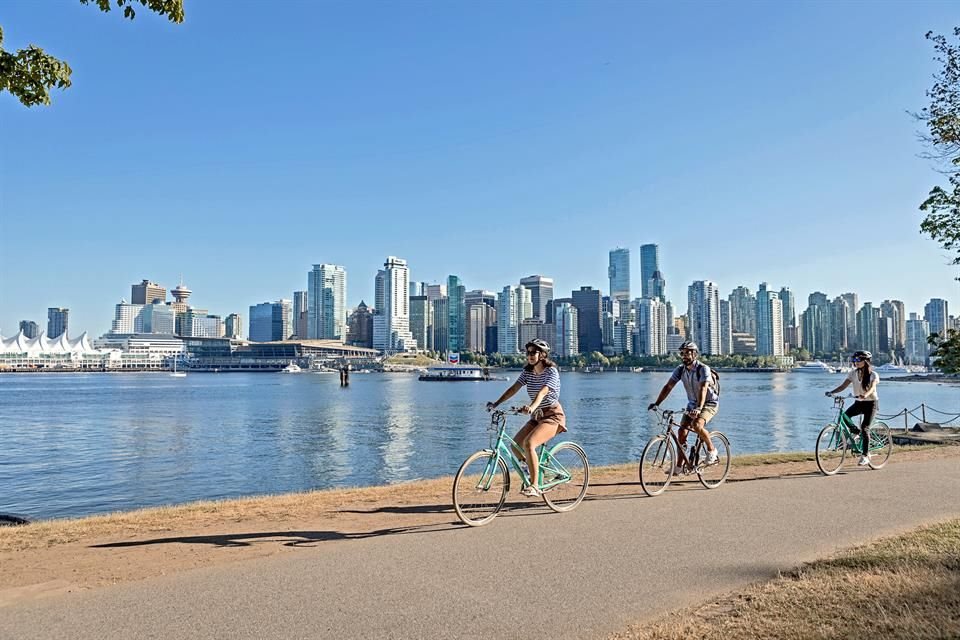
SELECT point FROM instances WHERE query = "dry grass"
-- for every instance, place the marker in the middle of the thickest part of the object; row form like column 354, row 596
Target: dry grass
column 906, row 586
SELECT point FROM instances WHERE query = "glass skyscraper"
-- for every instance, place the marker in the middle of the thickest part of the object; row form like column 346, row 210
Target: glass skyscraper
column 619, row 274
column 649, row 265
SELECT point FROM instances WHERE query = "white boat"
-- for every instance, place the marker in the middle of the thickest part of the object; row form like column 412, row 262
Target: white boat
column 814, row 366
column 895, row 369
column 175, row 373
column 636, row 369
column 291, row 368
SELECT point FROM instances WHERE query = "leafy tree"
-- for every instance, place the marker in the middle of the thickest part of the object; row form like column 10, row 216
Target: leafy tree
column 942, row 137
column 946, row 350
column 30, row 73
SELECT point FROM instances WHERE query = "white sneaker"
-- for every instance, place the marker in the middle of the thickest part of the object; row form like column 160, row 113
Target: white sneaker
column 713, row 457
column 530, row 492
column 864, row 461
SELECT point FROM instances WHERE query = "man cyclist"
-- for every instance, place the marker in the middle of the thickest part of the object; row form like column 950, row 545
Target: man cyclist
column 702, row 398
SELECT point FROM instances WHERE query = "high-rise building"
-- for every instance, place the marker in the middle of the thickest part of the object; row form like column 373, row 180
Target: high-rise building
column 936, row 314
column 379, row 292
column 395, row 332
column 29, row 328
column 127, row 318
column 566, row 343
column 897, row 312
column 649, row 264
column 457, row 315
column 508, row 319
column 743, row 311
column 301, row 315
column 916, row 347
column 421, row 321
column 769, row 322
column 360, row 327
column 327, row 302
column 58, row 322
column 853, row 305
column 619, row 273
column 587, row 300
column 868, row 328
column 541, row 293
column 147, row 292
column 440, row 324
column 480, row 318
column 703, row 314
column 198, row 323
column 270, row 321
column 159, row 318
column 436, row 291
column 657, row 285
column 233, row 327
column 789, row 304
column 651, row 327
column 726, row 332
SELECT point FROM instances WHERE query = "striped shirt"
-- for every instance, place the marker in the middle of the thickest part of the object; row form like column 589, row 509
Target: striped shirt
column 550, row 378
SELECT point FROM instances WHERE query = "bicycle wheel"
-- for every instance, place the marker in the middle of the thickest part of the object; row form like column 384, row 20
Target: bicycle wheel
column 712, row 476
column 656, row 465
column 881, row 445
column 831, row 449
column 480, row 488
column 566, row 462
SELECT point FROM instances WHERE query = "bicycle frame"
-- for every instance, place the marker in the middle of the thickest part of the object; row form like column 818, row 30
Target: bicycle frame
column 668, row 423
column 502, row 445
column 846, row 426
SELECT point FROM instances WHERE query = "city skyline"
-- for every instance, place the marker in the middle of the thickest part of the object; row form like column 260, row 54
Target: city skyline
column 576, row 130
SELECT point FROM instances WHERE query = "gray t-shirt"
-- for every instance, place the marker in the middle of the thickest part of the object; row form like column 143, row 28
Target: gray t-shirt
column 692, row 381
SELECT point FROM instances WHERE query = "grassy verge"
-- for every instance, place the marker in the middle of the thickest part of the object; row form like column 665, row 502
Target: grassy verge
column 907, row 586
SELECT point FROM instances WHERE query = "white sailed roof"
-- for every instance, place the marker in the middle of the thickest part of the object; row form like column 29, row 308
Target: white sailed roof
column 44, row 345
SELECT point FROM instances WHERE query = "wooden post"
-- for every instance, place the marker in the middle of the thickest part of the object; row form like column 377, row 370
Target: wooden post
column 923, row 411
column 906, row 427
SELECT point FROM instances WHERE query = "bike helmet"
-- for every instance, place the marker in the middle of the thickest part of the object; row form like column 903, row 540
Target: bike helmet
column 863, row 355
column 539, row 345
column 689, row 345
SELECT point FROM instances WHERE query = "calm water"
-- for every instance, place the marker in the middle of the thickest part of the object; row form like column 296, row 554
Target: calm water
column 92, row 443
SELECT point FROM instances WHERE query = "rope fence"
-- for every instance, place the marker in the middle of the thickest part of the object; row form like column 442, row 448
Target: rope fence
column 922, row 417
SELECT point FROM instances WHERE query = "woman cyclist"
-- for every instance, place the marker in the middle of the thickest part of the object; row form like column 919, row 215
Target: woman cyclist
column 542, row 380
column 864, row 381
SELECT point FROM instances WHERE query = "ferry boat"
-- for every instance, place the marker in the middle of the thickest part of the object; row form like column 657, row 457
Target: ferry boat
column 457, row 372
column 291, row 368
column 814, row 366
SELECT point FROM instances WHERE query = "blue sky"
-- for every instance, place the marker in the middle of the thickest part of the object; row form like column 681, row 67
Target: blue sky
column 751, row 141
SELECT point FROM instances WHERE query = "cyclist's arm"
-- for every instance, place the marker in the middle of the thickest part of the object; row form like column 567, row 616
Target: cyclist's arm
column 872, row 385
column 539, row 397
column 702, row 400
column 509, row 393
column 844, row 385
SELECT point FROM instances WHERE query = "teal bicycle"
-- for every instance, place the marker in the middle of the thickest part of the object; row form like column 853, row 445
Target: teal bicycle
column 481, row 485
column 837, row 437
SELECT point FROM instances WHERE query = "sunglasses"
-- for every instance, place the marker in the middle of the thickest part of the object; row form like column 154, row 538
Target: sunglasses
column 856, row 359
column 532, row 353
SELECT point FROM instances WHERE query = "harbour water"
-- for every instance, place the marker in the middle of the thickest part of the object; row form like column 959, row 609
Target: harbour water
column 79, row 444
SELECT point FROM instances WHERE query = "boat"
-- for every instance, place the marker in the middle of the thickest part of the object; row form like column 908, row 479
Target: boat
column 814, row 366
column 636, row 369
column 291, row 368
column 895, row 369
column 457, row 372
column 175, row 373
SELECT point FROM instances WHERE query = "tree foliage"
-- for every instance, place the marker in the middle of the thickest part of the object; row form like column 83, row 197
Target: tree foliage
column 29, row 74
column 942, row 137
column 946, row 350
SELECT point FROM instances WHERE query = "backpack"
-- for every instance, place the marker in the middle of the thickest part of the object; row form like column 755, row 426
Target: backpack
column 714, row 382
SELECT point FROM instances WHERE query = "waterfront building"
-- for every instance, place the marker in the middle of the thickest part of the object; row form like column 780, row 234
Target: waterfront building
column 197, row 323
column 651, row 327
column 674, row 340
column 566, row 342
column 540, row 289
column 233, row 327
column 270, row 321
column 481, row 318
column 896, row 311
column 127, row 318
column 180, row 296
column 681, row 325
column 158, row 318
column 838, row 326
column 29, row 328
column 789, row 306
column 301, row 315
column 726, row 332
column 649, row 265
column 421, row 320
column 769, row 322
column 916, row 347
column 587, row 300
column 457, row 315
column 147, row 292
column 360, row 327
column 936, row 313
column 743, row 311
column 379, row 292
column 508, row 319
column 396, row 307
column 619, row 273
column 703, row 315
column 744, row 344
column 868, row 329
column 327, row 302
column 480, row 296
column 853, row 306
column 441, row 324
column 534, row 328
column 20, row 352
column 608, row 326
column 625, row 334
column 58, row 322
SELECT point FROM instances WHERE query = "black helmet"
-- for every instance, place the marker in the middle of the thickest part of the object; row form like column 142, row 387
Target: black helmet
column 689, row 345
column 863, row 355
column 539, row 345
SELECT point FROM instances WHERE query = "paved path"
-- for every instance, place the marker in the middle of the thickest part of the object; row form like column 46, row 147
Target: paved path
column 597, row 569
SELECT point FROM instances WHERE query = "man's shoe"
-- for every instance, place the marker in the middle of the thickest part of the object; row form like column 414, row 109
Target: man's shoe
column 713, row 457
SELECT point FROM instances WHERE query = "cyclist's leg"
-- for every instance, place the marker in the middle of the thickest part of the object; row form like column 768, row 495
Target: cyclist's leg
column 520, row 437
column 854, row 410
column 540, row 434
column 685, row 423
column 869, row 412
column 700, row 425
